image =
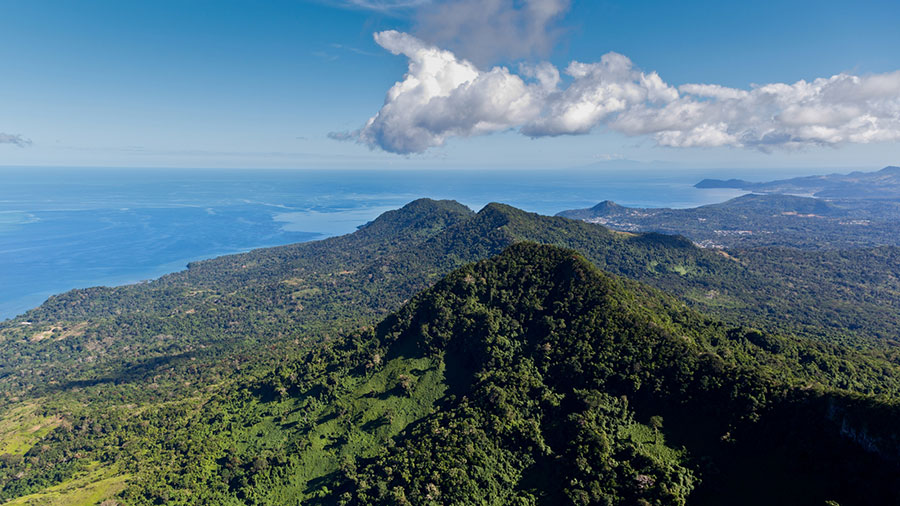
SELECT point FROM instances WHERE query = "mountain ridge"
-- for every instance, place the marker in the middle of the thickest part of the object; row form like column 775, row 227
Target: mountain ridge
column 762, row 220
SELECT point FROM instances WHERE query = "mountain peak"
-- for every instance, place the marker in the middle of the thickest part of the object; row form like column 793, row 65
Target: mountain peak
column 498, row 211
column 606, row 206
column 422, row 213
column 497, row 207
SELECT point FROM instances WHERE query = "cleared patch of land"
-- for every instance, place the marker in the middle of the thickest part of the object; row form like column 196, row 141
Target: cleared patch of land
column 21, row 428
column 95, row 486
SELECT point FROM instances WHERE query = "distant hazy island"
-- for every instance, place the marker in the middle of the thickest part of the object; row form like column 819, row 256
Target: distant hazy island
column 854, row 210
column 884, row 183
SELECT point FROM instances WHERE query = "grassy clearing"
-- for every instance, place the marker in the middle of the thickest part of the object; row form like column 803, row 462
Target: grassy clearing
column 651, row 443
column 662, row 268
column 61, row 331
column 715, row 300
column 305, row 292
column 370, row 410
column 21, row 428
column 91, row 487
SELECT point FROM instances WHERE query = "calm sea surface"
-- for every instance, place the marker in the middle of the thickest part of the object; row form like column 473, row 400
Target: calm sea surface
column 70, row 228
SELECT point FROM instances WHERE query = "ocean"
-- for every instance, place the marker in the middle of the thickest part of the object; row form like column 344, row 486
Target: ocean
column 65, row 228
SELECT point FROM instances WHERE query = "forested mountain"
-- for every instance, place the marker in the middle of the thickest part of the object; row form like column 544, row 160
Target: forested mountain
column 266, row 377
column 558, row 375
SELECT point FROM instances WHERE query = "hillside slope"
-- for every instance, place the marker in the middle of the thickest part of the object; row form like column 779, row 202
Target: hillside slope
column 550, row 366
column 241, row 380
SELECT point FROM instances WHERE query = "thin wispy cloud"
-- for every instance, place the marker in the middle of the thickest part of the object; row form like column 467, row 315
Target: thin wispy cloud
column 352, row 49
column 343, row 136
column 379, row 5
column 443, row 95
column 14, row 139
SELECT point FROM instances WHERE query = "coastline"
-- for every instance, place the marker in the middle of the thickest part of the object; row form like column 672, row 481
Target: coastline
column 12, row 309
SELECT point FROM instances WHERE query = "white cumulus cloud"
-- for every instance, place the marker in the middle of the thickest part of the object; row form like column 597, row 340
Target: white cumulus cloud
column 443, row 96
column 597, row 92
column 827, row 111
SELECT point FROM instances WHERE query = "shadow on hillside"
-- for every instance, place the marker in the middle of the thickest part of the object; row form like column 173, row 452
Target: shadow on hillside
column 127, row 374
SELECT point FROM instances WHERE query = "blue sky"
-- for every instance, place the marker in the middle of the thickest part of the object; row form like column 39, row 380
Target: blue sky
column 262, row 84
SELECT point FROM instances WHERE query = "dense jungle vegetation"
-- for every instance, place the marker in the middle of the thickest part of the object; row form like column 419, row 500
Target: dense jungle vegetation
column 386, row 367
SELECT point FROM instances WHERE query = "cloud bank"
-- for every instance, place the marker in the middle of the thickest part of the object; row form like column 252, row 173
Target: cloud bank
column 16, row 140
column 443, row 96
